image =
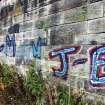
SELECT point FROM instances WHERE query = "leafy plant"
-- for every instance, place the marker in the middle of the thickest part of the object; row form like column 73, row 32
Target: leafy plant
column 63, row 96
column 6, row 75
column 34, row 83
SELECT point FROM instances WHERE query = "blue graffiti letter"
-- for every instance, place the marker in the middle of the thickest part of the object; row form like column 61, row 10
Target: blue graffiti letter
column 62, row 53
column 10, row 45
column 36, row 46
column 97, row 66
column 1, row 47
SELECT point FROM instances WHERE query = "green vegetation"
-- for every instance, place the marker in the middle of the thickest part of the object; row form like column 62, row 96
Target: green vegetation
column 34, row 90
column 6, row 75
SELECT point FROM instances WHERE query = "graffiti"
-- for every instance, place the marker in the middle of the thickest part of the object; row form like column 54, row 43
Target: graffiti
column 24, row 4
column 96, row 55
column 1, row 47
column 10, row 45
column 14, row 29
column 36, row 46
column 5, row 11
column 97, row 63
column 97, row 66
column 79, row 61
column 63, row 55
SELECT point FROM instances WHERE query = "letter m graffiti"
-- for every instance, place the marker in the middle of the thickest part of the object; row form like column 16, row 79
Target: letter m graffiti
column 10, row 45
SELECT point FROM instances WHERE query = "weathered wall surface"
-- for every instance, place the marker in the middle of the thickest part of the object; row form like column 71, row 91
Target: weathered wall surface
column 65, row 38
